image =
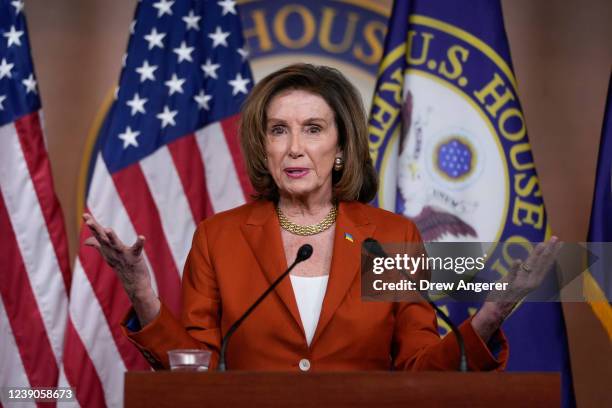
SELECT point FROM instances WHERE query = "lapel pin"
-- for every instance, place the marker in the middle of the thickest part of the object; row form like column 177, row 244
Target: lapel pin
column 348, row 237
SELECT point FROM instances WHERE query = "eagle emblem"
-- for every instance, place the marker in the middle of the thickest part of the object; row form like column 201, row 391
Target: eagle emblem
column 453, row 159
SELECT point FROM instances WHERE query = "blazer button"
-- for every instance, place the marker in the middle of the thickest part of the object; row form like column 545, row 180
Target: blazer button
column 304, row 364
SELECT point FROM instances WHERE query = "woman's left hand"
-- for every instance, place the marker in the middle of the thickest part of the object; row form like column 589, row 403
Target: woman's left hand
column 522, row 278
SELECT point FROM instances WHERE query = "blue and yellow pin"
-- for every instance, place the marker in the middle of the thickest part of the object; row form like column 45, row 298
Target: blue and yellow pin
column 348, row 237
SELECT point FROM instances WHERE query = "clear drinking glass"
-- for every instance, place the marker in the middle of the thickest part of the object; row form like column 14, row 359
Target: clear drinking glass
column 189, row 360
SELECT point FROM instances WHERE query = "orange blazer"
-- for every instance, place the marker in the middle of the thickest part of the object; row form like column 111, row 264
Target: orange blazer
column 237, row 254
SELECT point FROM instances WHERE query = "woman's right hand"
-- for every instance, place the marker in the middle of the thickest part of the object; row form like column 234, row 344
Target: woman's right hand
column 130, row 266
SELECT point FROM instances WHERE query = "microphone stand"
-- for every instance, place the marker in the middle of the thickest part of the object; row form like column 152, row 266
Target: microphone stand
column 303, row 254
column 376, row 249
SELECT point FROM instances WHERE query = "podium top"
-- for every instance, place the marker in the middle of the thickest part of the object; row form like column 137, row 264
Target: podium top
column 341, row 389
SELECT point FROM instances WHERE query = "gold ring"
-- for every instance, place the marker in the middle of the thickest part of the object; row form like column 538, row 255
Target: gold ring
column 525, row 268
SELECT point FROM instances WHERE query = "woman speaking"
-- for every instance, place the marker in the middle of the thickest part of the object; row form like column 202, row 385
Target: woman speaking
column 304, row 138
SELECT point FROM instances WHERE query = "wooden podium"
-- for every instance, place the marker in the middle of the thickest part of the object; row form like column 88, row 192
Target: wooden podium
column 341, row 389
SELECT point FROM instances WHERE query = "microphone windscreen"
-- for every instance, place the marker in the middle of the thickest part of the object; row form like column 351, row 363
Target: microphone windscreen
column 373, row 247
column 304, row 252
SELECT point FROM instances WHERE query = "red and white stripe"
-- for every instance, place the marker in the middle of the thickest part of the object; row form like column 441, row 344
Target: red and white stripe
column 33, row 260
column 221, row 155
column 163, row 197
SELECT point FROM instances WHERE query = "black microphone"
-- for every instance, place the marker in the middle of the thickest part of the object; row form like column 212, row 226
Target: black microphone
column 303, row 254
column 374, row 247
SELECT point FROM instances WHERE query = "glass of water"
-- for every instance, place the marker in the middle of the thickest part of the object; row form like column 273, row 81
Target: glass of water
column 189, row 360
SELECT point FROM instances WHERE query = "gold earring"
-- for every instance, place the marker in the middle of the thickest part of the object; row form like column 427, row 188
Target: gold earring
column 338, row 163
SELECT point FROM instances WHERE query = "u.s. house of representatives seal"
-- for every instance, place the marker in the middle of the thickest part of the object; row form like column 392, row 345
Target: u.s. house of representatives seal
column 460, row 165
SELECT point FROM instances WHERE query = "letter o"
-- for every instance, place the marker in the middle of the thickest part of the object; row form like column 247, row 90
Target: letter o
column 280, row 26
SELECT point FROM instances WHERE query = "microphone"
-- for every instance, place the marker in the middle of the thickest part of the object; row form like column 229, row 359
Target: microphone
column 303, row 254
column 373, row 246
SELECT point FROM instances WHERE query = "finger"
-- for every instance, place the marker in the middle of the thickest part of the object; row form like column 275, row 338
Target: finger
column 540, row 248
column 558, row 246
column 534, row 257
column 546, row 259
column 113, row 238
column 514, row 268
column 138, row 246
column 99, row 234
column 95, row 228
column 555, row 244
column 92, row 242
column 555, row 250
column 550, row 252
column 90, row 219
column 550, row 246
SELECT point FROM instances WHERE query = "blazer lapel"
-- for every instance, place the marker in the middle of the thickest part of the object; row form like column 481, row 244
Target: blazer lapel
column 262, row 233
column 352, row 228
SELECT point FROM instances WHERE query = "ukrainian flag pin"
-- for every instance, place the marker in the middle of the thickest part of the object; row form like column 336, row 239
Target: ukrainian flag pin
column 348, row 237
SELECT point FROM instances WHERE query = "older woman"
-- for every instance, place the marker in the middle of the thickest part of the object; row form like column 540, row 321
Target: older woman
column 304, row 138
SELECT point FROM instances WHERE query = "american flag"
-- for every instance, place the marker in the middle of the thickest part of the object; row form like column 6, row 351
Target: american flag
column 34, row 266
column 166, row 156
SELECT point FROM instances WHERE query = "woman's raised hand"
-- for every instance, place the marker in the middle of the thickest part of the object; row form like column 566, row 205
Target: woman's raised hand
column 130, row 266
column 522, row 278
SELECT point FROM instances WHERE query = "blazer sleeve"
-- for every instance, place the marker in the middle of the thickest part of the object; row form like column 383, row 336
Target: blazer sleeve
column 417, row 344
column 199, row 327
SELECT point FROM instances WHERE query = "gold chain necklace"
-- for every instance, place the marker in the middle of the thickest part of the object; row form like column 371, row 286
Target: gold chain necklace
column 306, row 230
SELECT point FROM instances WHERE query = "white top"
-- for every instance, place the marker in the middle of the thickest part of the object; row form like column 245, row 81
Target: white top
column 309, row 293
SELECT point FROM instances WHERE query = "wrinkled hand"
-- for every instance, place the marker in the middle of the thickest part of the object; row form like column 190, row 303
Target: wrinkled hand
column 129, row 264
column 523, row 278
